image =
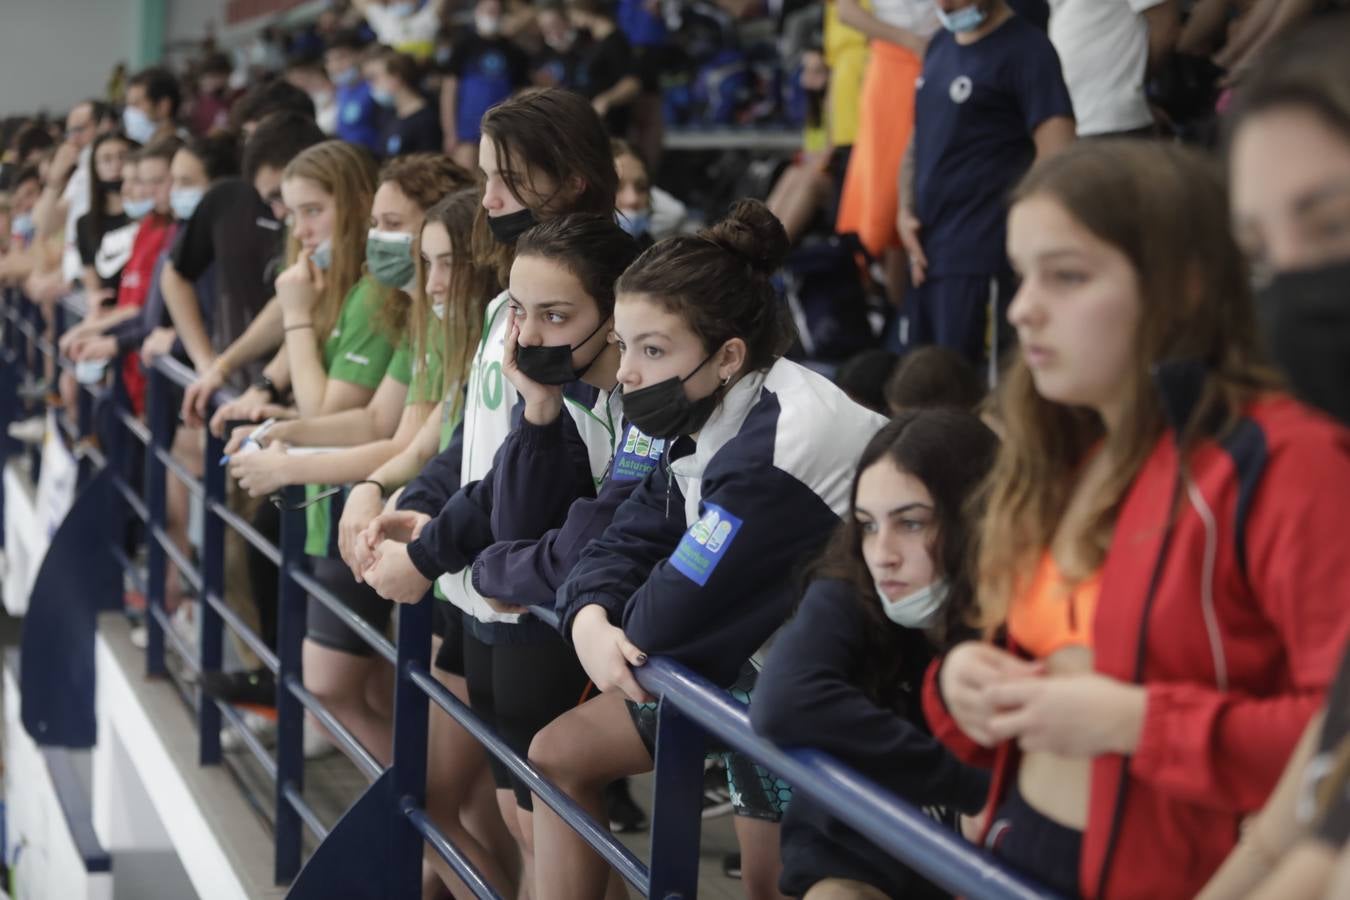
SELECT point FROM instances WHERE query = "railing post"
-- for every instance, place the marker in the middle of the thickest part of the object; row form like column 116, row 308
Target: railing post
column 290, row 713
column 211, row 631
column 161, row 427
column 676, row 812
column 410, row 748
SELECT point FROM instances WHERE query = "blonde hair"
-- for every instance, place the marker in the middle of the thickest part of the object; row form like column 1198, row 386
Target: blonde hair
column 1166, row 209
column 347, row 173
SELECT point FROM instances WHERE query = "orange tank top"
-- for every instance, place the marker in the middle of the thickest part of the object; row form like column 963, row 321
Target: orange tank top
column 1049, row 613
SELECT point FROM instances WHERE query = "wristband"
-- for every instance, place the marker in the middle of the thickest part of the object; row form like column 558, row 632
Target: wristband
column 263, row 383
column 297, row 327
column 384, row 492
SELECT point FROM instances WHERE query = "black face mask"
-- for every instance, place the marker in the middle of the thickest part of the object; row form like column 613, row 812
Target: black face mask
column 553, row 365
column 506, row 229
column 1305, row 317
column 111, row 185
column 663, row 411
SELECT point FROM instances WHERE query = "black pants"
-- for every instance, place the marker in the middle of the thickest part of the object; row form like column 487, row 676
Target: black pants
column 1036, row 846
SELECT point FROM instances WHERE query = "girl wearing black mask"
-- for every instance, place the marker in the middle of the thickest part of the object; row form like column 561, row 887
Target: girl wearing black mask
column 542, row 155
column 700, row 563
column 1289, row 176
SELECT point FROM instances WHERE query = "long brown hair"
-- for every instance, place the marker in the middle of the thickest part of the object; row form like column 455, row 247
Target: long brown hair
column 551, row 134
column 1166, row 209
column 472, row 286
column 346, row 172
column 424, row 178
column 950, row 451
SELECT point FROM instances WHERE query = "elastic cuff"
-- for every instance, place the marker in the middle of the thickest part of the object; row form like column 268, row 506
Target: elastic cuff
column 540, row 437
column 422, row 560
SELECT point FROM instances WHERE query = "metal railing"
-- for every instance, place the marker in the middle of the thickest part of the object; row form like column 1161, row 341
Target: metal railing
column 391, row 821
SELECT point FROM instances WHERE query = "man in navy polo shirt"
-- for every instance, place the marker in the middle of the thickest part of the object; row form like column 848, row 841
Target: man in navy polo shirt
column 991, row 100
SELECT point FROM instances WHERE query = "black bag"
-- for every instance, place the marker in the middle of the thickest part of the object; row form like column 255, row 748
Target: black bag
column 828, row 297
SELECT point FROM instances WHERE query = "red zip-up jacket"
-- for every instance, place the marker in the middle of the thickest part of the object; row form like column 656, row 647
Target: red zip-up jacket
column 1225, row 709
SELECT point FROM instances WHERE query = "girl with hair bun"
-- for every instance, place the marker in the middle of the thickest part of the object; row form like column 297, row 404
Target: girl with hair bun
column 700, row 563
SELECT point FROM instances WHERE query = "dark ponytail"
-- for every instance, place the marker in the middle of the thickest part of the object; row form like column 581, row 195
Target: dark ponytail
column 590, row 246
column 719, row 281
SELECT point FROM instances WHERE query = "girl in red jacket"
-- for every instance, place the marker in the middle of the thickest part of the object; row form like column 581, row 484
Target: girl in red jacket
column 1155, row 555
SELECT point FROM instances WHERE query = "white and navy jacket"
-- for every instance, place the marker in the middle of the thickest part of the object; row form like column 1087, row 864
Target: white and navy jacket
column 701, row 561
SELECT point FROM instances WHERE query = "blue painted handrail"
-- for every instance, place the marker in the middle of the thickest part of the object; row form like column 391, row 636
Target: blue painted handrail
column 390, row 827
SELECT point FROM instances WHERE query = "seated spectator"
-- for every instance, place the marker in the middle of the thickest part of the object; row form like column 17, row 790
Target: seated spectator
column 272, row 96
column 413, row 126
column 1107, row 50
column 894, row 586
column 606, row 71
column 813, row 182
column 556, row 64
column 309, row 75
column 931, row 376
column 864, row 378
column 645, row 211
column 151, row 111
column 1167, row 632
column 211, row 105
column 991, row 100
column 400, row 24
column 484, row 69
column 358, row 113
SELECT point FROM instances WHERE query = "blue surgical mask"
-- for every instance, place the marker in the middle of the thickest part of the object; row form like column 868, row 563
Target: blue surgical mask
column 322, row 255
column 636, row 223
column 382, row 97
column 138, row 209
column 348, row 76
column 402, row 9
column 184, row 202
column 962, row 20
column 138, row 125
column 918, row 610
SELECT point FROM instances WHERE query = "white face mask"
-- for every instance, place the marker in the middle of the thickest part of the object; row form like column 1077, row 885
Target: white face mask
column 438, row 309
column 918, row 610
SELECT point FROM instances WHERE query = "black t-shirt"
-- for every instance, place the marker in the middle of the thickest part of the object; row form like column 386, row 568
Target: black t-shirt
column 235, row 229
column 419, row 132
column 602, row 65
column 107, row 261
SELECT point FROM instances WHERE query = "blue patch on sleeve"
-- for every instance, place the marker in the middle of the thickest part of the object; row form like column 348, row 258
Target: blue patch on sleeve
column 637, row 457
column 705, row 544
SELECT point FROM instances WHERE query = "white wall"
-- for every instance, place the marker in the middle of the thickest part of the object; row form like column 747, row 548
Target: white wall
column 54, row 53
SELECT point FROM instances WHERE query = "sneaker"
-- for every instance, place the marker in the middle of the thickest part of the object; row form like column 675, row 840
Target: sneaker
column 731, row 865
column 256, row 688
column 625, row 816
column 264, row 728
column 140, row 638
column 716, row 794
column 29, row 431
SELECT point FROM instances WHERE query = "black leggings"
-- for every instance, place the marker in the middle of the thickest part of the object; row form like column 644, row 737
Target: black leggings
column 520, row 688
